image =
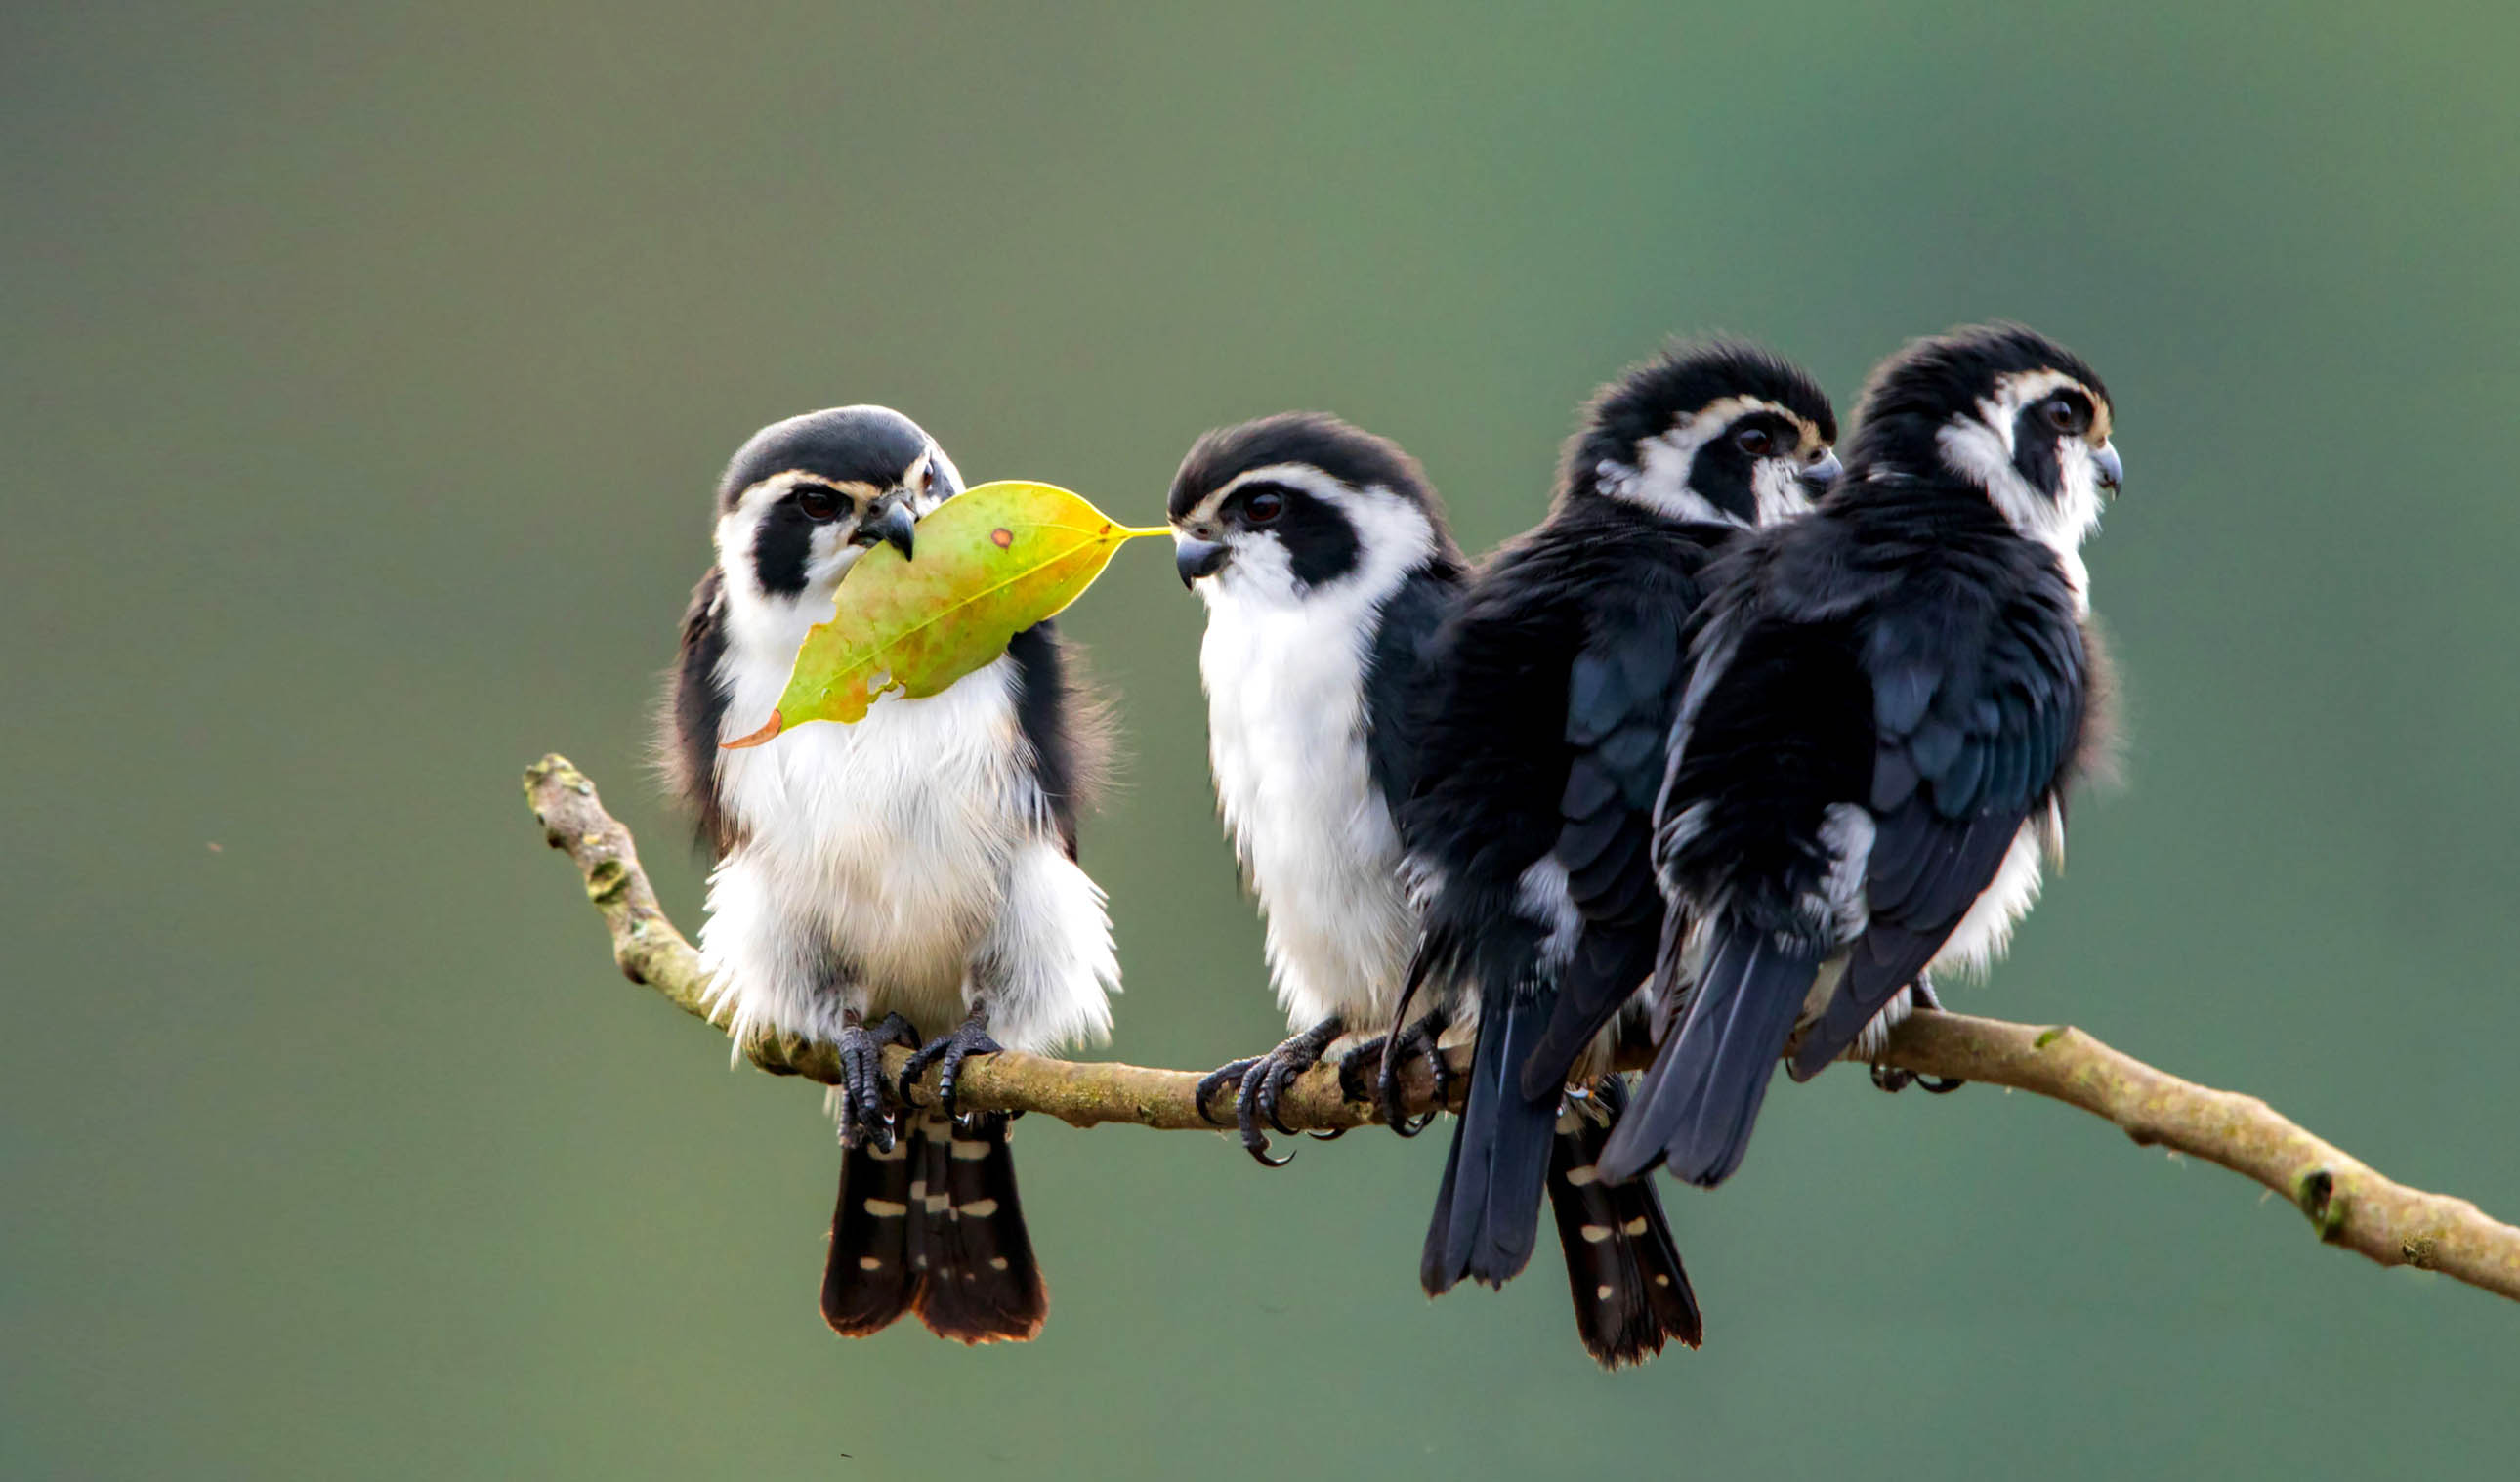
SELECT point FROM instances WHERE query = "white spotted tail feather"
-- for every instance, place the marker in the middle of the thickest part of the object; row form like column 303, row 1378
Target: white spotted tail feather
column 934, row 1226
column 1623, row 1268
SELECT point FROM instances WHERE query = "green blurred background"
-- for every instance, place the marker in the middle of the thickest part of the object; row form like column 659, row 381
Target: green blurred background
column 365, row 380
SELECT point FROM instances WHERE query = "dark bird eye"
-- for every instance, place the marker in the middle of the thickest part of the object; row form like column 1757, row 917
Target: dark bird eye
column 1754, row 441
column 1264, row 507
column 2066, row 416
column 818, row 503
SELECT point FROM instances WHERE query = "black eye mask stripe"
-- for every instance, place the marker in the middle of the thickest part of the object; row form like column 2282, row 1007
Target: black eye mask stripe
column 781, row 549
column 2035, row 448
column 1723, row 473
column 1321, row 543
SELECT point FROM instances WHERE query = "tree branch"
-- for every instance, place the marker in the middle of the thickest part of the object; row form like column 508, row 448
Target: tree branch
column 2348, row 1202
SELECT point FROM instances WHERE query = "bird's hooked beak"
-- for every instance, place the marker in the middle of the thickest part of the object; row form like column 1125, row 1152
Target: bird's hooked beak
column 1193, row 558
column 2111, row 468
column 1818, row 476
column 892, row 523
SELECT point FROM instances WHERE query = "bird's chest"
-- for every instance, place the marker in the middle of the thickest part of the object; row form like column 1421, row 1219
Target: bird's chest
column 1287, row 740
column 891, row 837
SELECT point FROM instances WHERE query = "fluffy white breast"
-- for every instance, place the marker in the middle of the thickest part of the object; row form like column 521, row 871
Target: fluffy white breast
column 1285, row 674
column 890, row 841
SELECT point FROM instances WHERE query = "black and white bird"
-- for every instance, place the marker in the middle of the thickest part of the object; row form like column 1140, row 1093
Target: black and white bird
column 1557, row 683
column 917, row 868
column 1322, row 553
column 1891, row 700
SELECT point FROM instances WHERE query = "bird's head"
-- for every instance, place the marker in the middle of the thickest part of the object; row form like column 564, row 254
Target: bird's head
column 2003, row 409
column 1275, row 509
column 805, row 497
column 1719, row 432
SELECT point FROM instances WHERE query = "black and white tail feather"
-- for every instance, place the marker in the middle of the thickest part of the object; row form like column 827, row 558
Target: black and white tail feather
column 934, row 1226
column 1623, row 1271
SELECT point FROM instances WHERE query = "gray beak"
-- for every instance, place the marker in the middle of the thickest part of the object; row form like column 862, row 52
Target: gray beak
column 1818, row 476
column 895, row 526
column 2112, row 469
column 1195, row 559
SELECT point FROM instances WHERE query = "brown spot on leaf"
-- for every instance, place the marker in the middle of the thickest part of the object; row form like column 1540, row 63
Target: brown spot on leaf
column 1001, row 537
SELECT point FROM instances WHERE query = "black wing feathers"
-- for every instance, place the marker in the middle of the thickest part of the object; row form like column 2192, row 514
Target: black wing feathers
column 1489, row 764
column 1909, row 652
column 1059, row 724
column 1544, row 733
column 2001, row 668
column 1780, row 735
column 694, row 711
column 1698, row 1101
column 1397, row 673
column 1620, row 697
column 1491, row 757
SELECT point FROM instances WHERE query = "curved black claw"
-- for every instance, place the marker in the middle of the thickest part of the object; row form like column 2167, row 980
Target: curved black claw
column 953, row 1050
column 1353, row 1085
column 1263, row 1082
column 1248, row 1108
column 1229, row 1073
column 863, row 1115
column 1939, row 1085
column 1419, row 1039
column 1268, row 1081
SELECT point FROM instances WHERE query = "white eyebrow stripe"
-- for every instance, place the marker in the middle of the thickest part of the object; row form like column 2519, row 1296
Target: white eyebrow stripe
column 779, row 484
column 1295, row 475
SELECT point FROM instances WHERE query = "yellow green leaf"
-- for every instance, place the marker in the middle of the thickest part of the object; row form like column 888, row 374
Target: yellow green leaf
column 991, row 562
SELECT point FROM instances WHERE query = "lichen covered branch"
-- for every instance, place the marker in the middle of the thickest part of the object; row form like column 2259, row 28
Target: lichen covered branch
column 2347, row 1203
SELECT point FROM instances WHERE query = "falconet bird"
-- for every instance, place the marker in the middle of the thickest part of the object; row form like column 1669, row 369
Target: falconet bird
column 1557, row 682
column 915, row 870
column 1321, row 554
column 1892, row 699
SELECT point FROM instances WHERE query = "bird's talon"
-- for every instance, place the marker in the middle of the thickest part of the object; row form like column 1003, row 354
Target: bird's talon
column 864, row 1116
column 1353, row 1086
column 1387, row 1097
column 1261, row 1084
column 1273, row 1086
column 972, row 1038
column 1418, row 1039
column 1246, row 1115
column 1215, row 1081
